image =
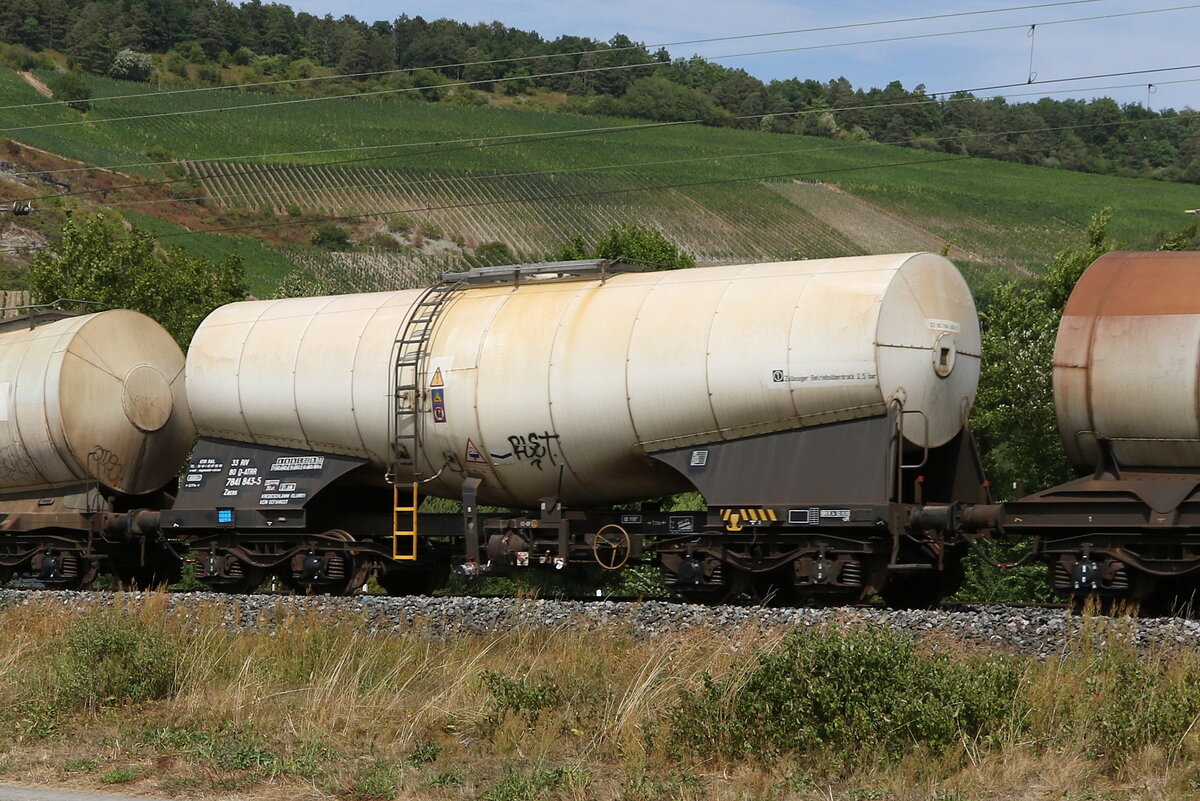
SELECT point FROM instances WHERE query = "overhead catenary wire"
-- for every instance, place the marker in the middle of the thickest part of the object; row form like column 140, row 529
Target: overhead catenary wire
column 476, row 143
column 567, row 54
column 563, row 73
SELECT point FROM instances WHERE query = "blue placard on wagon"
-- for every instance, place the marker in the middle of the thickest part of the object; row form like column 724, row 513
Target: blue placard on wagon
column 437, row 398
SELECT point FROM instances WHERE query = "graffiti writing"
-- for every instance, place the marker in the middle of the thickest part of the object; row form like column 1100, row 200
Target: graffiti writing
column 108, row 465
column 537, row 449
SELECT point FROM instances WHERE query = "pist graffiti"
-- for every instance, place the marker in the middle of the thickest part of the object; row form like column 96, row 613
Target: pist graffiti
column 536, row 449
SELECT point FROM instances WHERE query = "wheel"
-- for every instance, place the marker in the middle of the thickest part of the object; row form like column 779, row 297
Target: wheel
column 239, row 577
column 65, row 570
column 738, row 583
column 339, row 573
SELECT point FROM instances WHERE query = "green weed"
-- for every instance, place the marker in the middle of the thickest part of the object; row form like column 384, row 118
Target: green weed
column 378, row 781
column 120, row 775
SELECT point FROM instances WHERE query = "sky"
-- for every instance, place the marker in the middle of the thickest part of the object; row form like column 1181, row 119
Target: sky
column 943, row 63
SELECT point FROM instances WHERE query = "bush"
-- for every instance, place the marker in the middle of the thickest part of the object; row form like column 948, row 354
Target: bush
column 330, row 237
column 490, row 254
column 177, row 63
column 630, row 242
column 72, row 89
column 858, row 693
column 114, row 659
column 130, row 65
column 526, row 696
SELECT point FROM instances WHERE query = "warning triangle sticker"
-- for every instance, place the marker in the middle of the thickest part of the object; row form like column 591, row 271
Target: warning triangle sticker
column 473, row 454
column 437, row 379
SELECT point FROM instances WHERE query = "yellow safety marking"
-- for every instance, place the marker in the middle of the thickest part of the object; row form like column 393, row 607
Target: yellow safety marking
column 735, row 519
column 437, row 381
column 400, row 535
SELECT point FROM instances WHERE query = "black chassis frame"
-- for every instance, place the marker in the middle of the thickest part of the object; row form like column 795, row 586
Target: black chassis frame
column 1116, row 533
column 836, row 511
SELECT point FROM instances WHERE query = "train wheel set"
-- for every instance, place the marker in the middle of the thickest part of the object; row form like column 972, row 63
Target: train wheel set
column 819, row 408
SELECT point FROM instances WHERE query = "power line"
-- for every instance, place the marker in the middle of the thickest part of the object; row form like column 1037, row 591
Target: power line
column 513, row 59
column 475, row 143
column 563, row 73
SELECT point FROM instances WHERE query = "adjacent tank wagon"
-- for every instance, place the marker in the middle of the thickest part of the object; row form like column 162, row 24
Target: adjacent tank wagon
column 94, row 424
column 1127, row 398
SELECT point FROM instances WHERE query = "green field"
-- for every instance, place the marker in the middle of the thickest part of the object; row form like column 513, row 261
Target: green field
column 724, row 194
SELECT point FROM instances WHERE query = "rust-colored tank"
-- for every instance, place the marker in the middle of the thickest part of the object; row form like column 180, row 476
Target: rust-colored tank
column 99, row 397
column 1127, row 361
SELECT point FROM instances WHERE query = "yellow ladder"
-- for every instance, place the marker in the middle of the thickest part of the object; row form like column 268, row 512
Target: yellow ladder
column 404, row 525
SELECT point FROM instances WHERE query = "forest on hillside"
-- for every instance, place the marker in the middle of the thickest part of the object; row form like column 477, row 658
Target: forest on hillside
column 200, row 41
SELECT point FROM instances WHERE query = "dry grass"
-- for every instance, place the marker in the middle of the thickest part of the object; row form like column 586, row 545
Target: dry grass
column 316, row 707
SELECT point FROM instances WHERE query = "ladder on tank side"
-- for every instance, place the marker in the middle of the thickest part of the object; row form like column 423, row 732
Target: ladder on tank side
column 411, row 348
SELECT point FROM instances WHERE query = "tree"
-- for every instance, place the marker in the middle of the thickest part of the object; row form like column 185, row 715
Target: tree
column 1014, row 411
column 130, row 65
column 633, row 243
column 99, row 259
column 656, row 98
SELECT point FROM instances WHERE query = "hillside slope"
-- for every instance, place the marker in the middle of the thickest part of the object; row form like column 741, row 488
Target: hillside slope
column 530, row 179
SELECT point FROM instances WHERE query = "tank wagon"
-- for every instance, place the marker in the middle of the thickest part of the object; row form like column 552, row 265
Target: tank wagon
column 1127, row 399
column 94, row 425
column 819, row 407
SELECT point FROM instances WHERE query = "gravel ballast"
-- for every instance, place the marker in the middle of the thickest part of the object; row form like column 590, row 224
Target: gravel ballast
column 1037, row 631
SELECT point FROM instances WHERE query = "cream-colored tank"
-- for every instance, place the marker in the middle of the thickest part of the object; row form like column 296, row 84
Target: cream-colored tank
column 1127, row 361
column 96, row 397
column 571, row 383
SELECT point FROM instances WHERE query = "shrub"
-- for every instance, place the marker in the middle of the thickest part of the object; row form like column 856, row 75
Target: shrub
column 330, row 237
column 527, row 696
column 114, row 659
column 177, row 63
column 857, row 693
column 130, row 65
column 72, row 89
column 490, row 254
